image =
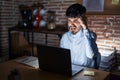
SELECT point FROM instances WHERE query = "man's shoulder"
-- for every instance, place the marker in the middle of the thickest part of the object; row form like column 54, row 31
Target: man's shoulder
column 93, row 35
column 66, row 33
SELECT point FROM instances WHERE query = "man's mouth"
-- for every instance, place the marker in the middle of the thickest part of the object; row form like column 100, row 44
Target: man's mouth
column 72, row 28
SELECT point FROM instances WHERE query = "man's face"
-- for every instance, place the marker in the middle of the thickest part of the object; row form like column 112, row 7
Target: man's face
column 74, row 24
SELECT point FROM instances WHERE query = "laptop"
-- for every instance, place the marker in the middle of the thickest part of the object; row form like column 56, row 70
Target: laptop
column 57, row 60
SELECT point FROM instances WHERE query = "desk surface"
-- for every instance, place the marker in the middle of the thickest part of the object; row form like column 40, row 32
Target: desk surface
column 115, row 70
column 29, row 73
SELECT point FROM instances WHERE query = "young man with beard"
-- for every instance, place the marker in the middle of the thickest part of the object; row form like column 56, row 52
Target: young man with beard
column 79, row 39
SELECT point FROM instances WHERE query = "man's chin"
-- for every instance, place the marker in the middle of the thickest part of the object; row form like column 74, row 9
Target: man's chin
column 73, row 32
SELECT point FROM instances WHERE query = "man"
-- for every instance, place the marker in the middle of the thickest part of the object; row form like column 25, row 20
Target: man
column 79, row 39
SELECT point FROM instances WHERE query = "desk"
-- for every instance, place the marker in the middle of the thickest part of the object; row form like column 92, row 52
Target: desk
column 115, row 70
column 29, row 73
column 60, row 29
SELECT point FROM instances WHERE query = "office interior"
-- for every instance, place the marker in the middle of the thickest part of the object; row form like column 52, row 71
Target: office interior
column 15, row 43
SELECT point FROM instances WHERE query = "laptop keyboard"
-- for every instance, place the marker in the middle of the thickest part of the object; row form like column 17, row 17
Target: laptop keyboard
column 74, row 71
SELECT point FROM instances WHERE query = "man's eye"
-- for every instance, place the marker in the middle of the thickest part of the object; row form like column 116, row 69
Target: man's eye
column 75, row 21
column 69, row 21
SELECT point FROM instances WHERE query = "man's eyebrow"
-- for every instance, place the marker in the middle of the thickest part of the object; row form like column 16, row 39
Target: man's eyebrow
column 69, row 20
column 76, row 19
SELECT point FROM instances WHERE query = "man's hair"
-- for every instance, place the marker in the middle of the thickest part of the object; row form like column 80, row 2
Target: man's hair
column 75, row 10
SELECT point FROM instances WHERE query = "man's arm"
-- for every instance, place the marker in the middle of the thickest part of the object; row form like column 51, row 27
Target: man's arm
column 62, row 45
column 91, row 47
column 88, row 40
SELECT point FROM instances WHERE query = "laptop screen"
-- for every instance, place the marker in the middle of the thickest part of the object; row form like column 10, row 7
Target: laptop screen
column 54, row 59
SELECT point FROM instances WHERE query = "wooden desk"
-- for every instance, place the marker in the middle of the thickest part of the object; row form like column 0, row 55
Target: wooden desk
column 29, row 73
column 115, row 70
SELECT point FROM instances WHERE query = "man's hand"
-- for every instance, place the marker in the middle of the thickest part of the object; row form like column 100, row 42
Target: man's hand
column 82, row 22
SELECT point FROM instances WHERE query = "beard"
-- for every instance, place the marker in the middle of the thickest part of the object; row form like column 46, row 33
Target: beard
column 73, row 29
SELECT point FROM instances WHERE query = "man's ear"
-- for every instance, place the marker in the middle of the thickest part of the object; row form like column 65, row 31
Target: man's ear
column 68, row 27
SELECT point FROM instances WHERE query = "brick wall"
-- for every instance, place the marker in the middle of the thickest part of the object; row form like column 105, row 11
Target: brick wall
column 105, row 26
column 107, row 30
column 59, row 6
column 7, row 19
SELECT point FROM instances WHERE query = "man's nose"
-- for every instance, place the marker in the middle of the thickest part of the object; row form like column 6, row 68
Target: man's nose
column 71, row 23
